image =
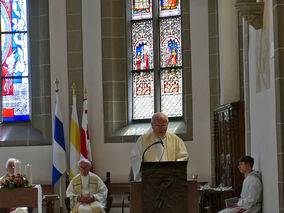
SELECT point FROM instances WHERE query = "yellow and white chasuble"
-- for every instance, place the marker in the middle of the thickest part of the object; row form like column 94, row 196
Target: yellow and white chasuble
column 174, row 150
column 87, row 185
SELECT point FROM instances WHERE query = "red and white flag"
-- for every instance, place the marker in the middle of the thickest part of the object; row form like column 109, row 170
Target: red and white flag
column 85, row 139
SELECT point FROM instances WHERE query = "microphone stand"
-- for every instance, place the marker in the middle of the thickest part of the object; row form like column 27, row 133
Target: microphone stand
column 161, row 142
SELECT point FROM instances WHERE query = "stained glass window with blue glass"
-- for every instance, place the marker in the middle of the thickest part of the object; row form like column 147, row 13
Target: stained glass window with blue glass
column 164, row 80
column 14, row 59
column 170, row 42
column 142, row 45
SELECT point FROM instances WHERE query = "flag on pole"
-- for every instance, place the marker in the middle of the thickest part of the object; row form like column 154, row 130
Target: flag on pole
column 59, row 152
column 85, row 139
column 74, row 139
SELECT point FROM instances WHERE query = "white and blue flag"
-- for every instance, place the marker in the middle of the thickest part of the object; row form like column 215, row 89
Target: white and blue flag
column 59, row 151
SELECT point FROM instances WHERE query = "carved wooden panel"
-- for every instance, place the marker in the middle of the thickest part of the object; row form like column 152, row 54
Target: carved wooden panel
column 164, row 187
column 229, row 140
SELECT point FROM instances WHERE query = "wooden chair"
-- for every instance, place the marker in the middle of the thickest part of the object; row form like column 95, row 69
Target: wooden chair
column 109, row 197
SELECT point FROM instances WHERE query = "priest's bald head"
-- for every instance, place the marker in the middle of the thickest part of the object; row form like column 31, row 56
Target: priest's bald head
column 159, row 124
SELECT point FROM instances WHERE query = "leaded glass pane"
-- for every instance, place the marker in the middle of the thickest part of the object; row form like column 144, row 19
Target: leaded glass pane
column 14, row 55
column 143, row 95
column 170, row 42
column 169, row 8
column 15, row 99
column 142, row 45
column 141, row 9
column 171, row 92
column 13, row 15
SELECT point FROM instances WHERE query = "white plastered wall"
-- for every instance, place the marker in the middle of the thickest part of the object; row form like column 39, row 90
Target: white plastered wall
column 263, row 117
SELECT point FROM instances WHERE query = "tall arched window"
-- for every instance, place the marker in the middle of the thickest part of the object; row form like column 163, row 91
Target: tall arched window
column 14, row 54
column 156, row 41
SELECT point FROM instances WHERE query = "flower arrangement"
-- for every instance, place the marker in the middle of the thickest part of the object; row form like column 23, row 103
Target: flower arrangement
column 15, row 181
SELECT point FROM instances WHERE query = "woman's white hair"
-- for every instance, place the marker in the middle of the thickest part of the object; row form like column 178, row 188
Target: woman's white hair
column 10, row 160
column 85, row 161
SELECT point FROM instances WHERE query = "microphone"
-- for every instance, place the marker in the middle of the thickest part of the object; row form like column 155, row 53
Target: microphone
column 161, row 141
column 157, row 142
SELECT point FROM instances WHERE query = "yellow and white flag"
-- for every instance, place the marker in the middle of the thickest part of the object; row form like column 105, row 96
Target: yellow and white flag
column 74, row 140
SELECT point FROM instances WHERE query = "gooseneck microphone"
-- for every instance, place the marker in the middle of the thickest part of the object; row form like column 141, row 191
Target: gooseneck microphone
column 157, row 142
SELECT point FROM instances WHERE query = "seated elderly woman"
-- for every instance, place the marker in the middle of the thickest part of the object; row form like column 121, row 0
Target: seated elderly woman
column 10, row 165
column 87, row 192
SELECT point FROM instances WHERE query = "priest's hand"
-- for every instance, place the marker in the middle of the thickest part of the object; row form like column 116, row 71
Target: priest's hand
column 86, row 199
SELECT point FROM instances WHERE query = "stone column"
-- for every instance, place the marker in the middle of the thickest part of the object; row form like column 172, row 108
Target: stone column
column 278, row 21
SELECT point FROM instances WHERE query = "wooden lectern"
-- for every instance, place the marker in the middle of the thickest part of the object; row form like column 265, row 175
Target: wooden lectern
column 164, row 187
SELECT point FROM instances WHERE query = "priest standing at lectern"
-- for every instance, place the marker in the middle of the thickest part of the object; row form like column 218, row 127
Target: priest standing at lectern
column 169, row 147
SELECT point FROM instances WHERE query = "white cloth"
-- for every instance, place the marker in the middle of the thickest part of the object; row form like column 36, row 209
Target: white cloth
column 251, row 195
column 20, row 210
column 100, row 195
column 136, row 154
column 39, row 198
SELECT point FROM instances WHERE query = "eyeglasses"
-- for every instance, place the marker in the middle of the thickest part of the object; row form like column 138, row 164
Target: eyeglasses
column 84, row 168
column 160, row 126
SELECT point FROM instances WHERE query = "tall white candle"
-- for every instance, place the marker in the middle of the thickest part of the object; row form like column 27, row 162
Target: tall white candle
column 18, row 167
column 28, row 172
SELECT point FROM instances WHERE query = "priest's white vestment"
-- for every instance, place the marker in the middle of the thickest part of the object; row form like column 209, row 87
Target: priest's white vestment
column 174, row 149
column 91, row 185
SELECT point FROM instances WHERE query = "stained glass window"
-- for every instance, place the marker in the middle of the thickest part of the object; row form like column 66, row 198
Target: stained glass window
column 14, row 59
column 170, row 42
column 169, row 8
column 141, row 9
column 143, row 95
column 171, row 92
column 167, row 82
column 142, row 45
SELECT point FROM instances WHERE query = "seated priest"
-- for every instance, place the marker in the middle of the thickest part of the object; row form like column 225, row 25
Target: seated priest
column 10, row 165
column 170, row 148
column 251, row 195
column 87, row 192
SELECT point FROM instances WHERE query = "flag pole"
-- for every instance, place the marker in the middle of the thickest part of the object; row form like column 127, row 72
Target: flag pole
column 56, row 82
column 75, row 144
column 60, row 187
column 85, row 139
